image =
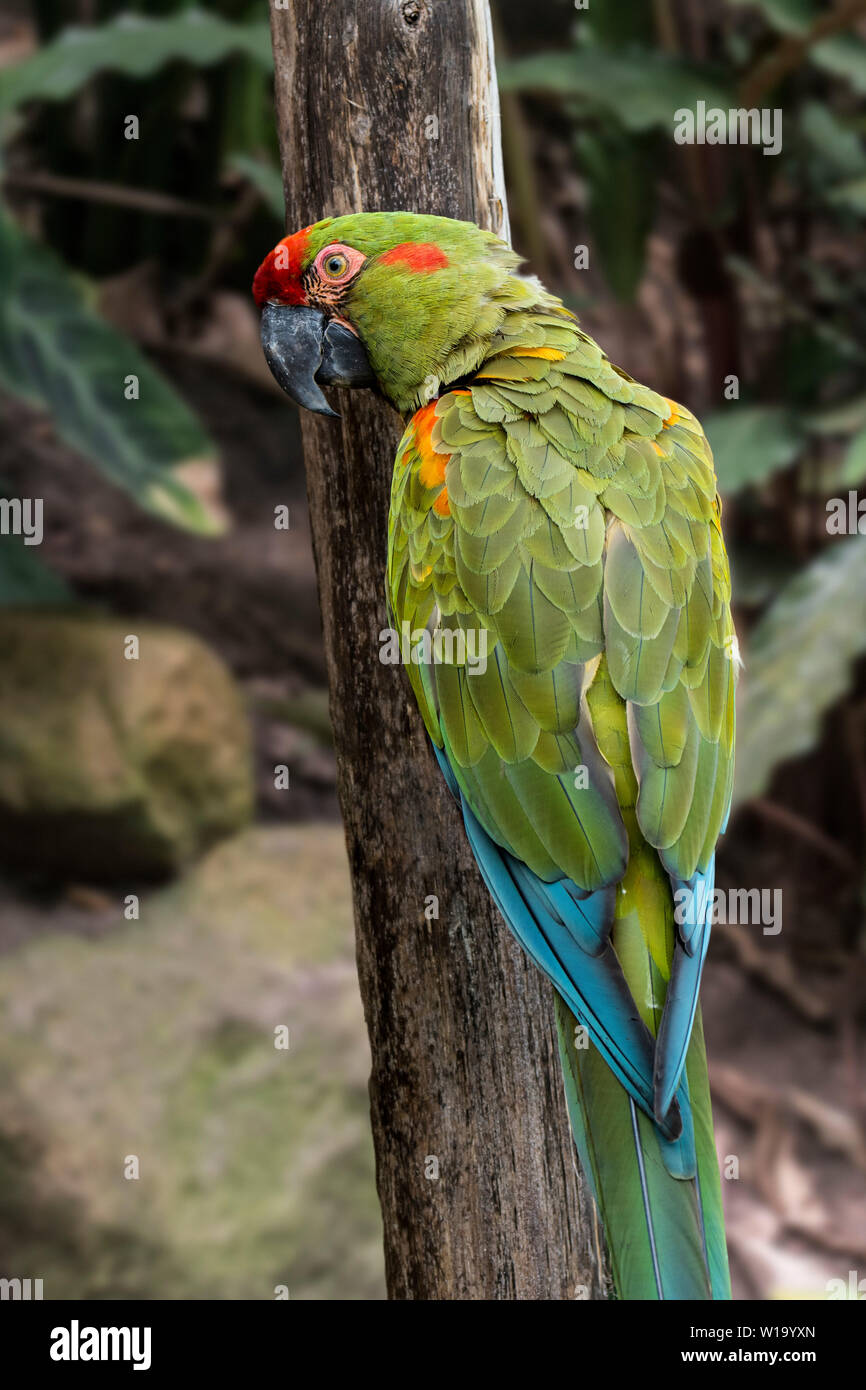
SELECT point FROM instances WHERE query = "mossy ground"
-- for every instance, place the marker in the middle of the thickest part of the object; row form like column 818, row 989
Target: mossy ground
column 156, row 1038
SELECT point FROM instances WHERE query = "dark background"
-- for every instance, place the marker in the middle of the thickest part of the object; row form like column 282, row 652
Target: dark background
column 153, row 1036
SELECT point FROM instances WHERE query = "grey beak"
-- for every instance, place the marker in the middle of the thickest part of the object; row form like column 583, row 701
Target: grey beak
column 303, row 347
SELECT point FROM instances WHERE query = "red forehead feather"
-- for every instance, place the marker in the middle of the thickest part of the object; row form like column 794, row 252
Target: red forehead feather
column 279, row 275
column 418, row 256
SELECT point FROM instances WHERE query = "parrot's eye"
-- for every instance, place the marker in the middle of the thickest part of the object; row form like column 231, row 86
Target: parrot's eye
column 337, row 264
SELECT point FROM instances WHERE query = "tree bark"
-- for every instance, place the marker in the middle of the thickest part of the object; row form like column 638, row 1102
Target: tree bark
column 391, row 104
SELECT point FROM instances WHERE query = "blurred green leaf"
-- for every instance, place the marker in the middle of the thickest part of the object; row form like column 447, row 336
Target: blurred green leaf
column 266, row 178
column 615, row 26
column 796, row 15
column 133, row 45
column 827, row 286
column 844, row 55
column 751, row 442
column 851, row 194
column 639, row 90
column 798, row 663
column 839, row 148
column 808, row 356
column 788, row 16
column 621, row 174
column 843, row 417
column 247, row 108
column 59, row 355
column 854, row 462
column 24, row 580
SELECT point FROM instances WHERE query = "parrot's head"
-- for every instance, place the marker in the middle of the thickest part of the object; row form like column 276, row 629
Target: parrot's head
column 396, row 301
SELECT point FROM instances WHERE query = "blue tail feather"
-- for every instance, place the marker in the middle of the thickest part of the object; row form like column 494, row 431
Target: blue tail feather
column 681, row 1001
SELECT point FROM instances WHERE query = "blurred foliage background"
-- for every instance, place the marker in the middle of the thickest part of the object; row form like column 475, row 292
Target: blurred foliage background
column 140, row 189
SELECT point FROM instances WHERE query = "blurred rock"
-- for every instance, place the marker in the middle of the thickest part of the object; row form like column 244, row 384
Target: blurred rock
column 112, row 766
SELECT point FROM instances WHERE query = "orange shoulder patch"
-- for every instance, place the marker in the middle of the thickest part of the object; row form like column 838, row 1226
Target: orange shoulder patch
column 432, row 465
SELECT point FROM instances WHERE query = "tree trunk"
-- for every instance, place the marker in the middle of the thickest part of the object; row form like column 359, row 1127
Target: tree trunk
column 392, row 104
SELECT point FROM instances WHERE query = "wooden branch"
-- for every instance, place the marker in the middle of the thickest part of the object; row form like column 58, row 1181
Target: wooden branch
column 116, row 195
column 787, row 56
column 389, row 105
column 806, row 830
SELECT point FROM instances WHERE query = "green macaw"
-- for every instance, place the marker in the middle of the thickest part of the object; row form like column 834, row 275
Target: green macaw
column 548, row 505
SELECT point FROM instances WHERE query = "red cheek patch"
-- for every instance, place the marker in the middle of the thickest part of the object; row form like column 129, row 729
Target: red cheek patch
column 419, row 256
column 279, row 275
